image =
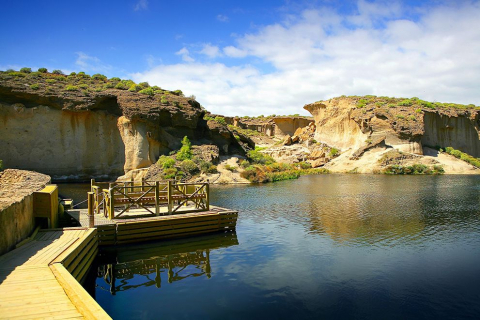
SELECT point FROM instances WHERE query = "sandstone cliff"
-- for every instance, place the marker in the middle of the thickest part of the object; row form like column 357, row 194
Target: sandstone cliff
column 81, row 127
column 413, row 126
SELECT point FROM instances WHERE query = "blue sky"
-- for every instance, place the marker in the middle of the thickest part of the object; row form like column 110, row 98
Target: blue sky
column 257, row 57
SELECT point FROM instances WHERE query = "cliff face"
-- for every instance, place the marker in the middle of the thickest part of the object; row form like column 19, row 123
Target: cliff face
column 82, row 134
column 347, row 123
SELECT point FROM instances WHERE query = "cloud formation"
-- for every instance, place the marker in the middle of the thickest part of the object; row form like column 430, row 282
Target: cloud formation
column 222, row 18
column 91, row 63
column 185, row 54
column 321, row 53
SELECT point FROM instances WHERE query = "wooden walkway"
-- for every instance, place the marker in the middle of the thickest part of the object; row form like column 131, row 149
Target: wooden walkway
column 29, row 282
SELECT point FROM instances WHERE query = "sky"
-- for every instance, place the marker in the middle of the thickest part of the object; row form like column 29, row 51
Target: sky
column 256, row 57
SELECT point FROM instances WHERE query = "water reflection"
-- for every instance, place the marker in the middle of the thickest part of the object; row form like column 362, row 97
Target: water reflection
column 147, row 265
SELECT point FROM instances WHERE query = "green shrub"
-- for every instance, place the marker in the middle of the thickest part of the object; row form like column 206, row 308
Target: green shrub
column 134, row 88
column 230, row 168
column 42, row 70
column 108, row 85
column 50, row 81
column 144, row 84
column 147, row 91
column 207, row 117
column 334, row 152
column 189, row 166
column 304, row 165
column 163, row 100
column 412, row 117
column 178, row 93
column 121, row 86
column 361, row 103
column 98, row 76
column 405, row 103
column 418, row 110
column 56, row 71
column 257, row 157
column 34, row 86
column 166, row 162
column 185, row 151
column 83, row 86
column 71, row 88
column 400, row 116
column 16, row 74
column 73, row 74
column 26, row 70
column 175, row 103
column 115, row 79
column 220, row 120
column 244, row 164
column 170, row 173
column 61, row 78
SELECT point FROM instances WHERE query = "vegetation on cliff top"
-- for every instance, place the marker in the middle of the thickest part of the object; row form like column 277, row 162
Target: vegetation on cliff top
column 371, row 101
column 56, row 81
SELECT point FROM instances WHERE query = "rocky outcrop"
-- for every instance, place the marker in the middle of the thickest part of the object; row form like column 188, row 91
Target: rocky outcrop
column 288, row 125
column 365, row 128
column 103, row 133
column 342, row 123
column 16, row 205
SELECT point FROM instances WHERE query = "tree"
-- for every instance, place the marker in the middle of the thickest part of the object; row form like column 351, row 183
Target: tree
column 185, row 151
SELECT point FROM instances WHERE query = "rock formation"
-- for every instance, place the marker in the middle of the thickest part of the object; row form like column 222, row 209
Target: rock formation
column 78, row 127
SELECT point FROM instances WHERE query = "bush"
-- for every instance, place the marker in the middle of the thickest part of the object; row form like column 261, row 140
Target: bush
column 178, row 93
column 334, row 152
column 185, row 151
column 144, row 84
column 166, row 162
column 134, row 88
column 361, row 103
column 26, row 70
column 50, row 81
column 163, row 100
column 98, row 76
column 42, row 70
column 189, row 166
column 121, row 86
column 108, row 85
column 34, row 86
column 257, row 157
column 147, row 91
column 71, row 88
column 83, row 86
column 220, row 120
column 170, row 173
column 115, row 79
column 405, row 103
column 230, row 168
column 56, row 71
column 73, row 74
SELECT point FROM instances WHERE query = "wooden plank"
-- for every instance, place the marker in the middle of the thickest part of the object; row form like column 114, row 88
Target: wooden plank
column 152, row 235
column 67, row 256
column 85, row 263
column 87, row 306
column 82, row 274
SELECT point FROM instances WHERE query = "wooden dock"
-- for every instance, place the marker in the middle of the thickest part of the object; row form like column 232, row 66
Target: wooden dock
column 138, row 227
column 36, row 280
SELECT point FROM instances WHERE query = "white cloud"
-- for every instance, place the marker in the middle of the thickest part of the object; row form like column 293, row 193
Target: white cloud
column 91, row 63
column 210, row 51
column 185, row 55
column 320, row 54
column 222, row 18
column 141, row 5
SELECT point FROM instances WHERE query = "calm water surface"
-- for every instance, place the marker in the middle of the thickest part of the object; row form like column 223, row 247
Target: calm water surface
column 329, row 246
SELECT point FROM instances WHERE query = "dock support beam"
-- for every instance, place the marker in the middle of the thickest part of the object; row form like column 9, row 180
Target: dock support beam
column 157, row 195
column 91, row 204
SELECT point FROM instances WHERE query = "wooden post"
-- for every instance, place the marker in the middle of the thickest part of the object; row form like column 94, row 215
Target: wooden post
column 207, row 196
column 157, row 195
column 91, row 204
column 92, row 183
column 111, row 213
column 169, row 197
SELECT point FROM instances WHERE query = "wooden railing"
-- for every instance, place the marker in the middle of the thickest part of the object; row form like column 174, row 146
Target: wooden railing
column 151, row 196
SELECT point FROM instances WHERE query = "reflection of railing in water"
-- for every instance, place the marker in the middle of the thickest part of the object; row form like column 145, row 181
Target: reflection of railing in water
column 149, row 195
column 175, row 259
column 111, row 273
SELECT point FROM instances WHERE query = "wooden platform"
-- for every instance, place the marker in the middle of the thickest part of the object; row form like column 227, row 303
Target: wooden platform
column 140, row 227
column 34, row 284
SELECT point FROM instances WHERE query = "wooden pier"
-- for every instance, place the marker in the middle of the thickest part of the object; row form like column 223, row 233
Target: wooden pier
column 36, row 280
column 42, row 278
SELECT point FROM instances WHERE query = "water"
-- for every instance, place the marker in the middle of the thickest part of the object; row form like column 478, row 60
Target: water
column 329, row 246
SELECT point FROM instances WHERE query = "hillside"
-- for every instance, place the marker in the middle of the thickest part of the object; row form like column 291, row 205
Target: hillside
column 80, row 126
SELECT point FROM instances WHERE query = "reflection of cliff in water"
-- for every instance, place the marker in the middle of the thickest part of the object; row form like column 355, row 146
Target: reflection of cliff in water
column 375, row 211
column 150, row 264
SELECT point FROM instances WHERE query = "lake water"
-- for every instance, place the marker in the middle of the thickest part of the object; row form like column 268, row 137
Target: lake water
column 328, row 246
